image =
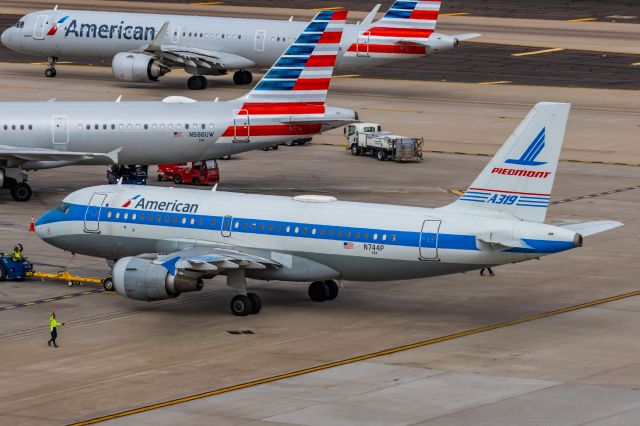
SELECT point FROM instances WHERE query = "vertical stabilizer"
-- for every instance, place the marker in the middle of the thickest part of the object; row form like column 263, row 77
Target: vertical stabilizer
column 303, row 73
column 519, row 179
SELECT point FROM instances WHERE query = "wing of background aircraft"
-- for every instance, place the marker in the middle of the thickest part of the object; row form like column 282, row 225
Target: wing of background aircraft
column 22, row 155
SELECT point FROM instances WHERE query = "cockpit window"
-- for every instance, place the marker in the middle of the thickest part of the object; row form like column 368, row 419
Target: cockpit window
column 63, row 208
column 20, row 24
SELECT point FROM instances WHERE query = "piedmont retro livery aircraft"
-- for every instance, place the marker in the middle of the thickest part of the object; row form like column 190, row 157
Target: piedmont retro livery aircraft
column 144, row 47
column 287, row 104
column 166, row 241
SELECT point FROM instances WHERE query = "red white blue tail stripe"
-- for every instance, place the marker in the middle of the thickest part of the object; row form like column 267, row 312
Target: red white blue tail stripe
column 296, row 85
column 405, row 21
column 303, row 73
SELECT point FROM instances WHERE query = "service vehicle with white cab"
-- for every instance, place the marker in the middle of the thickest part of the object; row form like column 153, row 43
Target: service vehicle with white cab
column 369, row 139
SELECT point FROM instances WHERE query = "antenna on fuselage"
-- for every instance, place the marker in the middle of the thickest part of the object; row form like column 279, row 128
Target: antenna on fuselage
column 52, row 100
column 216, row 99
column 120, row 181
column 215, row 188
column 119, row 99
column 291, row 19
column 55, row 8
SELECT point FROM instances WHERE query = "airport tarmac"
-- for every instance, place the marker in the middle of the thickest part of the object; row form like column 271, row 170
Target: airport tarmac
column 567, row 367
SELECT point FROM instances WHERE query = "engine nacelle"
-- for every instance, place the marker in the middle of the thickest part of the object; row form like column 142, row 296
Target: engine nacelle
column 440, row 42
column 141, row 279
column 137, row 67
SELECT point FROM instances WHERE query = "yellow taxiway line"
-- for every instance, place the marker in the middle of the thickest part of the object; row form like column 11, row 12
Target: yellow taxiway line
column 487, row 83
column 454, row 14
column 537, row 52
column 391, row 351
column 582, row 19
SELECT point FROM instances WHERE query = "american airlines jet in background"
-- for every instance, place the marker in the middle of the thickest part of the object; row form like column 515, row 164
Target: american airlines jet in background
column 287, row 104
column 144, row 47
column 166, row 241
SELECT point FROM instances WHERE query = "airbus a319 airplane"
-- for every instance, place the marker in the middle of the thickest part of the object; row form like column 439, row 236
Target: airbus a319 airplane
column 166, row 241
column 287, row 104
column 144, row 47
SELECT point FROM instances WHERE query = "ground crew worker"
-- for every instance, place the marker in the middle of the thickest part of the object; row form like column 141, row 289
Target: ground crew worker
column 488, row 269
column 53, row 328
column 16, row 254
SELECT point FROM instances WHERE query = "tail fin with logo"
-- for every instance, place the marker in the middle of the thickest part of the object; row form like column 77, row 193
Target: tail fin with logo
column 519, row 178
column 303, row 73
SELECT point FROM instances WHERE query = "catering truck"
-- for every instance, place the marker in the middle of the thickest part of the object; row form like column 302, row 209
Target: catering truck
column 369, row 139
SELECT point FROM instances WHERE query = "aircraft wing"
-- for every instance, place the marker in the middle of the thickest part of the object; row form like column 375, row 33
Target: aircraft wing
column 589, row 228
column 22, row 155
column 202, row 58
column 208, row 261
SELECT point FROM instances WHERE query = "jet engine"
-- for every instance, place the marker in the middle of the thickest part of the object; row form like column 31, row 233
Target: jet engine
column 141, row 279
column 137, row 67
column 439, row 42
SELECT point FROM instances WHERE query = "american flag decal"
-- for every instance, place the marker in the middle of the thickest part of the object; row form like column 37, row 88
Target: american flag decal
column 177, row 134
column 347, row 245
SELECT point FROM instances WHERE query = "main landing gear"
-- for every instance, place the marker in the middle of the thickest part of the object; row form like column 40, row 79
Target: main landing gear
column 51, row 71
column 15, row 180
column 242, row 77
column 244, row 303
column 197, row 82
column 319, row 291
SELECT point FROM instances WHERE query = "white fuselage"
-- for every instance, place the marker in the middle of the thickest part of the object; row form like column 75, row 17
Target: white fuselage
column 87, row 34
column 313, row 238
column 147, row 132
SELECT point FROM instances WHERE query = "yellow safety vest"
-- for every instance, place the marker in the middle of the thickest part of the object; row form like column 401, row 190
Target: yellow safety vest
column 53, row 323
column 16, row 256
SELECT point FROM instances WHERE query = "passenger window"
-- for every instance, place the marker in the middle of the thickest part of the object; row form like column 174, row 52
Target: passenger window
column 109, row 215
column 141, row 216
column 129, row 126
column 270, row 228
column 13, row 127
column 213, row 223
column 296, row 230
column 313, row 231
column 357, row 235
column 30, row 127
column 375, row 237
column 126, row 216
column 366, row 235
column 288, row 229
column 153, row 126
column 104, row 127
column 384, row 237
column 137, row 126
column 121, row 126
column 97, row 126
column 167, row 219
column 192, row 221
column 200, row 222
column 186, row 127
column 184, row 220
column 88, row 126
column 6, row 127
column 262, row 227
column 393, row 237
column 244, row 225
column 203, row 127
column 146, row 126
column 340, row 234
column 117, row 215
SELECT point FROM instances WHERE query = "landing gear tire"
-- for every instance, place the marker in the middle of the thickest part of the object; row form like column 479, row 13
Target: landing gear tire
column 333, row 289
column 241, row 305
column 177, row 179
column 256, row 303
column 50, row 72
column 197, row 82
column 381, row 155
column 355, row 150
column 242, row 77
column 318, row 291
column 159, row 178
column 225, row 157
column 107, row 284
column 3, row 273
column 289, row 143
column 21, row 192
column 275, row 147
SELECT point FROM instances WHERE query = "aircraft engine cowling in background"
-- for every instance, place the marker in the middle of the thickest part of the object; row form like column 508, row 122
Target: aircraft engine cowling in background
column 440, row 42
column 141, row 279
column 137, row 67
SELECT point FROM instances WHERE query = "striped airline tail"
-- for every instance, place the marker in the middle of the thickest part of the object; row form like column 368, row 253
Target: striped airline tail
column 405, row 22
column 408, row 19
column 303, row 73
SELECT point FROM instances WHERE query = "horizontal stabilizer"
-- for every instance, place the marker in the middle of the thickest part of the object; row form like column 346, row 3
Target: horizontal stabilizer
column 590, row 228
column 467, row 36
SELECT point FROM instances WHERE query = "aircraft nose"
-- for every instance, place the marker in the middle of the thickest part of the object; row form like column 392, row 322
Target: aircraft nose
column 43, row 224
column 4, row 38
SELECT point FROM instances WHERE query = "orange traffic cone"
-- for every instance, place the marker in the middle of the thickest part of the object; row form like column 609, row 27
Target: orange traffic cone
column 32, row 225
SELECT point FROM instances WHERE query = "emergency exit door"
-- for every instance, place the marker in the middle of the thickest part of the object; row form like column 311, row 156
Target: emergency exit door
column 38, row 30
column 227, row 222
column 429, row 240
column 60, row 132
column 362, row 45
column 241, row 126
column 92, row 215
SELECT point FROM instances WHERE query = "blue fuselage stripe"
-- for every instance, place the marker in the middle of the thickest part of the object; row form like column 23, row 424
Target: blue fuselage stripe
column 80, row 213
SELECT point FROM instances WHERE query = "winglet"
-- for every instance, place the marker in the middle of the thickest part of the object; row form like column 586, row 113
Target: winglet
column 157, row 42
column 113, row 155
column 368, row 20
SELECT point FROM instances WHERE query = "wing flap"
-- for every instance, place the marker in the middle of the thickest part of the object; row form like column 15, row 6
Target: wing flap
column 46, row 154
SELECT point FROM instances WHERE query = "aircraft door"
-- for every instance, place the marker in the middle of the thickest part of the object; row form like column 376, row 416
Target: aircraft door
column 362, row 44
column 227, row 222
column 175, row 35
column 38, row 30
column 429, row 239
column 60, row 133
column 92, row 215
column 241, row 125
column 258, row 44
